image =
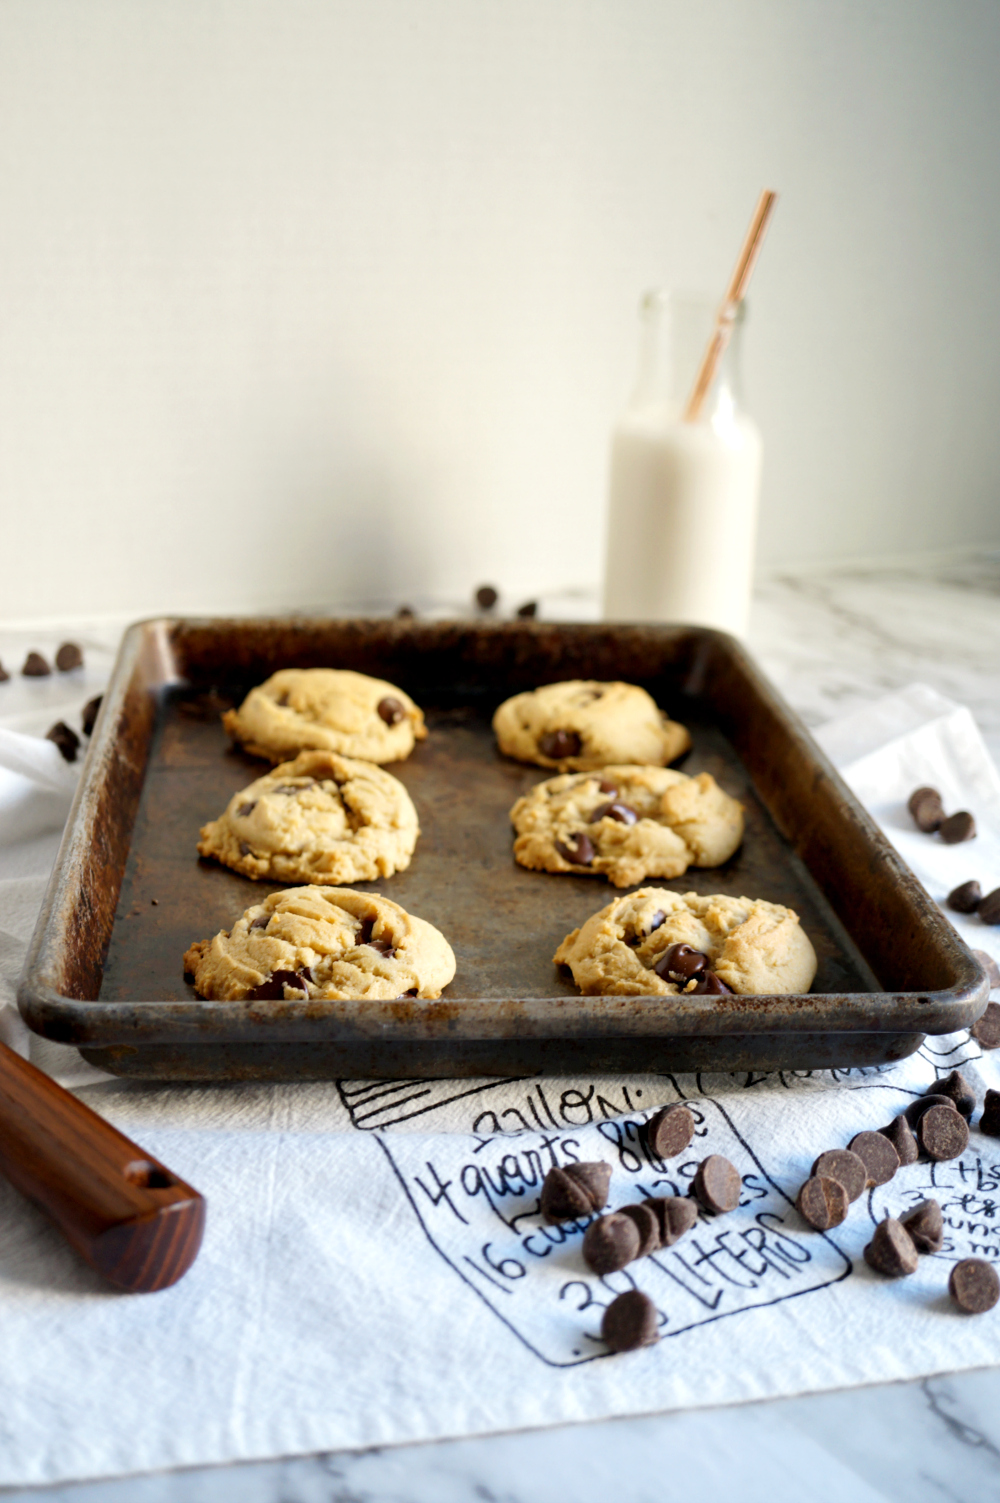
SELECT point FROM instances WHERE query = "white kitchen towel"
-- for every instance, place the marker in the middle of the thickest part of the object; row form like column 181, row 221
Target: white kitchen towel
column 375, row 1269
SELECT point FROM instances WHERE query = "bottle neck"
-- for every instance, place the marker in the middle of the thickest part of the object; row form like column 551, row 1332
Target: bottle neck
column 674, row 332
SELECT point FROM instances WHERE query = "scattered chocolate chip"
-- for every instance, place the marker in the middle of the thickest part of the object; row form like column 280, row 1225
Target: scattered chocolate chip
column 973, row 1285
column 670, row 1131
column 992, row 970
column 562, row 1198
column 390, row 710
column 965, row 898
column 528, row 611
column 65, row 738
column 845, row 1167
column 680, row 963
column 823, row 1202
column 614, row 810
column 717, row 1184
column 405, row 612
column 594, row 1177
column 272, row 988
column 958, row 827
column 629, row 1322
column 986, row 1030
column 486, row 597
column 676, row 1214
column 557, row 745
column 4, row 675
column 605, row 787
column 35, row 666
column 901, row 1137
column 943, row 1133
column 989, row 908
column 576, row 849
column 916, row 1109
column 878, row 1156
column 648, row 1226
column 958, row 1091
column 155, row 902
column 89, row 715
column 261, row 921
column 610, row 1242
column 891, row 1250
column 927, row 810
column 245, row 810
column 69, row 657
column 989, row 1122
column 710, row 985
column 925, row 1225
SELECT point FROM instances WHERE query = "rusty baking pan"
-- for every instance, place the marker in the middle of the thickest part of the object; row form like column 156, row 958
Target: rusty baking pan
column 128, row 893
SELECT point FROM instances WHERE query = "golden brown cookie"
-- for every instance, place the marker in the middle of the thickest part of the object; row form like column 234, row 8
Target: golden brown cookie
column 626, row 823
column 581, row 725
column 635, row 947
column 321, row 818
column 322, row 942
column 326, row 709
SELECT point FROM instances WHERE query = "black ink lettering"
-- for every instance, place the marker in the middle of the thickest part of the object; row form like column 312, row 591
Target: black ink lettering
column 441, row 1187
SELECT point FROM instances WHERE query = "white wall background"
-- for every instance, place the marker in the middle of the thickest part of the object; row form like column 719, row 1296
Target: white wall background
column 316, row 301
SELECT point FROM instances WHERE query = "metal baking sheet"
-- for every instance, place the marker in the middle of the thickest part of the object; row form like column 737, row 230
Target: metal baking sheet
column 129, row 892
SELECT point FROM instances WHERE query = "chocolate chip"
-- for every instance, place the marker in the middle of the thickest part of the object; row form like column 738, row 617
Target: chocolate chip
column 272, row 988
column 958, row 827
column 528, row 611
column 659, row 917
column 620, row 812
column 680, row 962
column 4, row 675
column 958, row 1091
column 629, row 1322
column 35, row 666
column 69, row 657
column 710, row 985
column 382, row 947
column 487, row 597
column 576, row 849
column 901, row 1137
column 89, row 715
column 845, row 1167
column 675, row 1214
column 562, row 1199
column 927, row 810
column 823, row 1202
column 989, row 908
column 245, row 850
column 605, row 787
column 405, row 612
column 916, row 1109
column 986, row 1030
column 891, row 1250
column 261, row 921
column 992, row 970
column 390, row 710
column 364, row 933
column 65, row 738
column 610, row 1242
column 670, row 1131
column 245, row 810
column 989, row 1122
column 925, row 1225
column 289, row 788
column 943, row 1133
column 973, row 1285
column 593, row 1177
column 648, row 1226
column 878, row 1156
column 717, row 1184
column 559, row 744
column 965, row 898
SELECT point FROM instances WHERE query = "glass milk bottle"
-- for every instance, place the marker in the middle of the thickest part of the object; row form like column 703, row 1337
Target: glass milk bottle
column 682, row 519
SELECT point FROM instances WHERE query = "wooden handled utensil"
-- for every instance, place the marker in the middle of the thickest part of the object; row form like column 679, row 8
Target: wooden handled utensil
column 128, row 1215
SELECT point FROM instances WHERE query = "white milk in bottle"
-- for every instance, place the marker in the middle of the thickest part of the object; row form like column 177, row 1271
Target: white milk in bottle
column 682, row 519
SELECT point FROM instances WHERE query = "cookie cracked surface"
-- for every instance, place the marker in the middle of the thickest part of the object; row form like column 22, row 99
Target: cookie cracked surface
column 581, row 725
column 626, row 823
column 756, row 948
column 326, row 709
column 322, row 942
column 321, row 818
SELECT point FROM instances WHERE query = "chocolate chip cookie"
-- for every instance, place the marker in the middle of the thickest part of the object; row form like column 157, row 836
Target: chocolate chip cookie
column 581, row 725
column 328, row 709
column 326, row 943
column 626, row 823
column 659, row 943
column 321, row 818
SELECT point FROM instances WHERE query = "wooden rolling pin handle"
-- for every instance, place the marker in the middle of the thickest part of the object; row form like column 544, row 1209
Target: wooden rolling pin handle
column 126, row 1213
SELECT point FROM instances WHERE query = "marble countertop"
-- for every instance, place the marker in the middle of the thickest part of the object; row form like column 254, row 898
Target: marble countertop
column 831, row 641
